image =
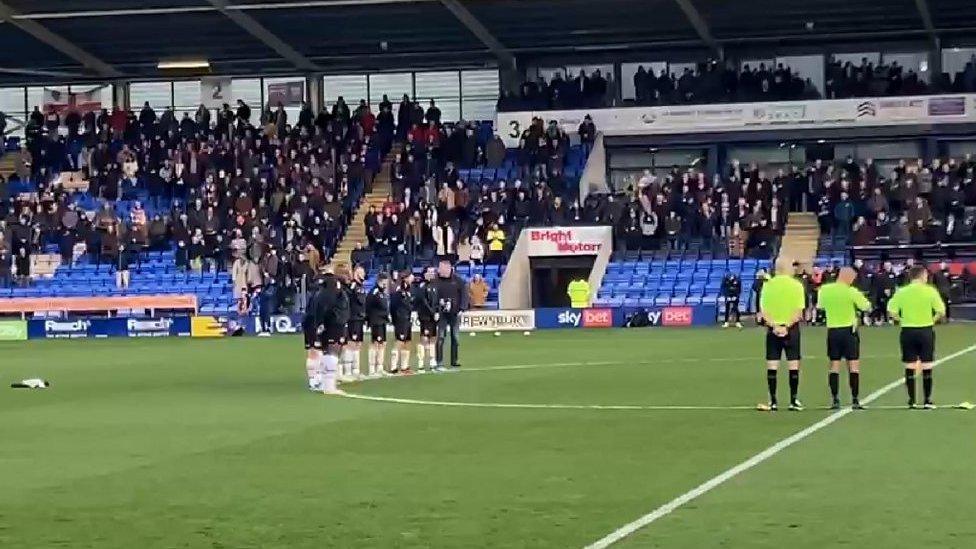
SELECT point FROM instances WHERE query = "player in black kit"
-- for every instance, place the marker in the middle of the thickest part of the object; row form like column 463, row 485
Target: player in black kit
column 357, row 322
column 427, row 307
column 313, row 348
column 378, row 316
column 401, row 308
column 332, row 315
column 731, row 290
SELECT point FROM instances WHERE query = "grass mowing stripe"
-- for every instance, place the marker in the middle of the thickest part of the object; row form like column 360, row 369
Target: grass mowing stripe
column 666, row 509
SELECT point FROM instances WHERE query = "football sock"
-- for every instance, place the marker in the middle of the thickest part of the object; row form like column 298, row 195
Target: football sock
column 405, row 359
column 394, row 359
column 910, row 383
column 431, row 355
column 771, row 383
column 355, row 361
column 927, row 384
column 855, row 380
column 330, row 366
column 311, row 367
column 420, row 356
column 794, row 384
column 346, row 362
column 371, row 361
column 833, row 379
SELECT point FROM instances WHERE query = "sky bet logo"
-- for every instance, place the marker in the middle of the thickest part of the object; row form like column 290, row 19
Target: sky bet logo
column 587, row 318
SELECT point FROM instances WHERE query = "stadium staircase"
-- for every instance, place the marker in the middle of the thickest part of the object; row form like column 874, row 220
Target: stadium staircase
column 801, row 238
column 356, row 232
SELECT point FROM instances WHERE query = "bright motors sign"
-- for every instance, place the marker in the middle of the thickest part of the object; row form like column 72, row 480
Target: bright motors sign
column 556, row 241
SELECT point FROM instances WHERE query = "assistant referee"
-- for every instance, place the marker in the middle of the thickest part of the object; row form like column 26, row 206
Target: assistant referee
column 917, row 306
column 781, row 305
column 841, row 303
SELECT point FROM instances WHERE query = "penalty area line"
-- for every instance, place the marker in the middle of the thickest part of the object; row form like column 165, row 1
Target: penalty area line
column 709, row 485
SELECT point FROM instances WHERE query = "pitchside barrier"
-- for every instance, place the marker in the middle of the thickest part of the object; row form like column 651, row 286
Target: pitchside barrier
column 519, row 320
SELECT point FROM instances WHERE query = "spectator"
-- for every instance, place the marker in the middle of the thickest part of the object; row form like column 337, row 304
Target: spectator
column 496, row 245
column 478, row 291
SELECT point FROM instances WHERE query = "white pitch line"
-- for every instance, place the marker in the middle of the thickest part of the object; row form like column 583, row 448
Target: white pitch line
column 709, row 485
column 395, row 400
column 508, row 367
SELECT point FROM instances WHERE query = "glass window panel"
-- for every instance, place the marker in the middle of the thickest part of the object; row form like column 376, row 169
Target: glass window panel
column 248, row 89
column 394, row 85
column 479, row 94
column 12, row 101
column 12, row 104
column 186, row 97
column 444, row 88
column 158, row 94
column 352, row 88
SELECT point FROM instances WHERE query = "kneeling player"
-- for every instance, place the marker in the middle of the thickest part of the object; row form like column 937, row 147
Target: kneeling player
column 427, row 304
column 781, row 305
column 378, row 316
column 401, row 308
column 842, row 303
column 917, row 306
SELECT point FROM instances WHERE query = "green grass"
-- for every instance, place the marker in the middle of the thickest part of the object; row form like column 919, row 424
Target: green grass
column 200, row 443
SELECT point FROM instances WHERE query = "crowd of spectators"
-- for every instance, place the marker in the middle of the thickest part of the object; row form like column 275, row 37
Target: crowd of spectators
column 561, row 92
column 914, row 203
column 716, row 82
column 741, row 213
column 264, row 198
column 432, row 211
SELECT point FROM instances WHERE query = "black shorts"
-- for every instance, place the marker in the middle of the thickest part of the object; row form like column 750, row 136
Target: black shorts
column 843, row 344
column 428, row 327
column 355, row 332
column 311, row 338
column 402, row 330
column 334, row 334
column 377, row 333
column 917, row 344
column 789, row 345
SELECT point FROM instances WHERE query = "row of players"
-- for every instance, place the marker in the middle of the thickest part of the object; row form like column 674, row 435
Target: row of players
column 340, row 311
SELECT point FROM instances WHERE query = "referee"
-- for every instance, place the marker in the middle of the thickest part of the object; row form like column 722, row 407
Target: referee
column 917, row 306
column 842, row 303
column 781, row 305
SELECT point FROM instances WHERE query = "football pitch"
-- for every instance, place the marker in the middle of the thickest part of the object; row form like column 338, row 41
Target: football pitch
column 557, row 439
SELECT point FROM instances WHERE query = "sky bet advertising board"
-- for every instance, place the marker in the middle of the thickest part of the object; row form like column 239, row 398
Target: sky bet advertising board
column 108, row 327
column 597, row 317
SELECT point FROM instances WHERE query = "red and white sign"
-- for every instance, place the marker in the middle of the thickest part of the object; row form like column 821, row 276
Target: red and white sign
column 677, row 316
column 597, row 318
column 554, row 241
column 63, row 102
